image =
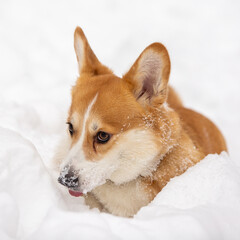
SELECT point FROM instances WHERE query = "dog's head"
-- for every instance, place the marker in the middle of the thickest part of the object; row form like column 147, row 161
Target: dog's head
column 119, row 128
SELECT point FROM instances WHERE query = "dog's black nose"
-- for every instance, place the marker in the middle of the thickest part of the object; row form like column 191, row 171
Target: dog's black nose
column 69, row 180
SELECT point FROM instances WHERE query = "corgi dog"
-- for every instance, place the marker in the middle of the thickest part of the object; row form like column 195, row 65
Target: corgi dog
column 127, row 137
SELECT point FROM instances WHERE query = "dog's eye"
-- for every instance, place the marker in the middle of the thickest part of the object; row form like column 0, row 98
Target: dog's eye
column 103, row 137
column 70, row 128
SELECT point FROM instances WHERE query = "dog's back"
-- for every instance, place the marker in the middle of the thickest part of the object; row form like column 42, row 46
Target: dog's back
column 203, row 131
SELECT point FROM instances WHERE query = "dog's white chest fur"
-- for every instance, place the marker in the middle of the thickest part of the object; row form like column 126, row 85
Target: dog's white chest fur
column 124, row 200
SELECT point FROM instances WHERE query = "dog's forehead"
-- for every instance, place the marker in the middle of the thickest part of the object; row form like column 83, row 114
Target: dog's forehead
column 87, row 87
column 114, row 100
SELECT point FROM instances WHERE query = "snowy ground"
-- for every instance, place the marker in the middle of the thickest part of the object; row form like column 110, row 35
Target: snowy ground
column 38, row 68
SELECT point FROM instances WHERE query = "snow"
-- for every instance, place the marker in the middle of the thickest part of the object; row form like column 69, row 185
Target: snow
column 38, row 68
column 203, row 203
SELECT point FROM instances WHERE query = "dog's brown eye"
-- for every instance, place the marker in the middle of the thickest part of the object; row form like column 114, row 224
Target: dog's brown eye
column 70, row 128
column 103, row 137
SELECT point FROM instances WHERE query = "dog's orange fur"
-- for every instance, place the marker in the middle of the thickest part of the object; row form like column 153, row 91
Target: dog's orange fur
column 184, row 137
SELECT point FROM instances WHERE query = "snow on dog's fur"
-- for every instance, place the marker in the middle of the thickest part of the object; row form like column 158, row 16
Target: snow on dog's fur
column 129, row 136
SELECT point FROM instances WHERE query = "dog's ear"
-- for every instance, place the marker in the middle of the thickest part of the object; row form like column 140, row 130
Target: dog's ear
column 87, row 61
column 148, row 77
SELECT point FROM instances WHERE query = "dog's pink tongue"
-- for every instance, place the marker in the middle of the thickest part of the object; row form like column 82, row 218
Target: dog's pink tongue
column 75, row 194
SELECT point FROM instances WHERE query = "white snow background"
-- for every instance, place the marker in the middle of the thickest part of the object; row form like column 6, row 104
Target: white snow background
column 38, row 68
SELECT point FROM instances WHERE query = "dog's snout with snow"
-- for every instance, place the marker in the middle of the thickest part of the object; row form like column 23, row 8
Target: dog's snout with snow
column 68, row 178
